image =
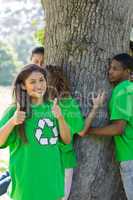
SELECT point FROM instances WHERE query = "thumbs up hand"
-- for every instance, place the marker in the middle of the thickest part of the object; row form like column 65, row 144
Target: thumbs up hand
column 18, row 117
column 56, row 109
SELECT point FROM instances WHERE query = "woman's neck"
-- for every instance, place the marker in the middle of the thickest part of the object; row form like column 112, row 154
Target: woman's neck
column 37, row 101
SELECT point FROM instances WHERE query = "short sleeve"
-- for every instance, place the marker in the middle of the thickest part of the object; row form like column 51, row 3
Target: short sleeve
column 7, row 115
column 72, row 114
column 122, row 106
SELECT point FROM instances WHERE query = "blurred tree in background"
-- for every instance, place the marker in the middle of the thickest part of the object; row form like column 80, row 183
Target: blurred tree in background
column 22, row 26
column 8, row 64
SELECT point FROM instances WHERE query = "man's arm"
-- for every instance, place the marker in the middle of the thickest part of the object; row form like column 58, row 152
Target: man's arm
column 97, row 102
column 116, row 128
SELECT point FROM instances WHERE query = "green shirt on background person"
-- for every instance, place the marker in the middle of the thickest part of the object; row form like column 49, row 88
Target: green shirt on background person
column 121, row 108
column 75, row 118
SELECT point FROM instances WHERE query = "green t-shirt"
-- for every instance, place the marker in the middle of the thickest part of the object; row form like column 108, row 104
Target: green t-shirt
column 121, row 108
column 36, row 168
column 75, row 119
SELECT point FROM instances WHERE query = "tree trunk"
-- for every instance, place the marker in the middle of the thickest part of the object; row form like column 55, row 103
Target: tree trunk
column 83, row 35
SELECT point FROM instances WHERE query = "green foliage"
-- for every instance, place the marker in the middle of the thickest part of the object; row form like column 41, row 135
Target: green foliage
column 40, row 36
column 8, row 64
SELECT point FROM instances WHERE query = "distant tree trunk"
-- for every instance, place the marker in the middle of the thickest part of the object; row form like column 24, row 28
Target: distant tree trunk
column 82, row 35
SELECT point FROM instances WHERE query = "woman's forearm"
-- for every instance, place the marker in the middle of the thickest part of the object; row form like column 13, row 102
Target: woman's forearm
column 5, row 131
column 64, row 130
column 90, row 118
column 89, row 121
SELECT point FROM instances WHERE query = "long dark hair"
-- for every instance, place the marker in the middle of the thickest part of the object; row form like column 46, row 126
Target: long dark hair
column 58, row 85
column 20, row 95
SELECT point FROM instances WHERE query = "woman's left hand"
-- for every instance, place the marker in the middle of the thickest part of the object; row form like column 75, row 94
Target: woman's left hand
column 56, row 109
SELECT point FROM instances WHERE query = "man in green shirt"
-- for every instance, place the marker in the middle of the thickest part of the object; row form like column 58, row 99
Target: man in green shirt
column 121, row 116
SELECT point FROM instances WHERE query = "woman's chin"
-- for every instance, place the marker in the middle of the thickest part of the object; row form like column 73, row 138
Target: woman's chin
column 37, row 95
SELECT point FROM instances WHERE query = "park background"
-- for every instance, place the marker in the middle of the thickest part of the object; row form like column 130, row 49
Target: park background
column 82, row 43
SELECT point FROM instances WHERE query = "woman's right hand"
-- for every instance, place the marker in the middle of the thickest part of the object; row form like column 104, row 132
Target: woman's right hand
column 18, row 117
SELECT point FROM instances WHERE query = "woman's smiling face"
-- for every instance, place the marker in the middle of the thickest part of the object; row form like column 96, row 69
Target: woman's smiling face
column 35, row 85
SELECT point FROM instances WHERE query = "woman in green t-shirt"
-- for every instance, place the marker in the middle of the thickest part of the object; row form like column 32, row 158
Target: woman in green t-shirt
column 31, row 128
column 58, row 87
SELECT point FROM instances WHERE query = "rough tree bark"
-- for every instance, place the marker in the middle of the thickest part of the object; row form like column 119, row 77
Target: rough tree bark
column 82, row 35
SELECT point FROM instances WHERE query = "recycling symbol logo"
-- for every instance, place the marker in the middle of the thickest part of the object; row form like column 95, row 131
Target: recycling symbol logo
column 39, row 131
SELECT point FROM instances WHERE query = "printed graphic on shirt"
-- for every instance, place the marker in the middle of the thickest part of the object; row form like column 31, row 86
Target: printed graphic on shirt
column 39, row 132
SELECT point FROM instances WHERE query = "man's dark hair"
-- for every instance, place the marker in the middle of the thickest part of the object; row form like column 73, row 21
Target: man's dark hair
column 125, row 59
column 38, row 50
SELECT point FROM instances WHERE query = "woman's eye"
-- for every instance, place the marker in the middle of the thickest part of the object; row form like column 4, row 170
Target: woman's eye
column 41, row 80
